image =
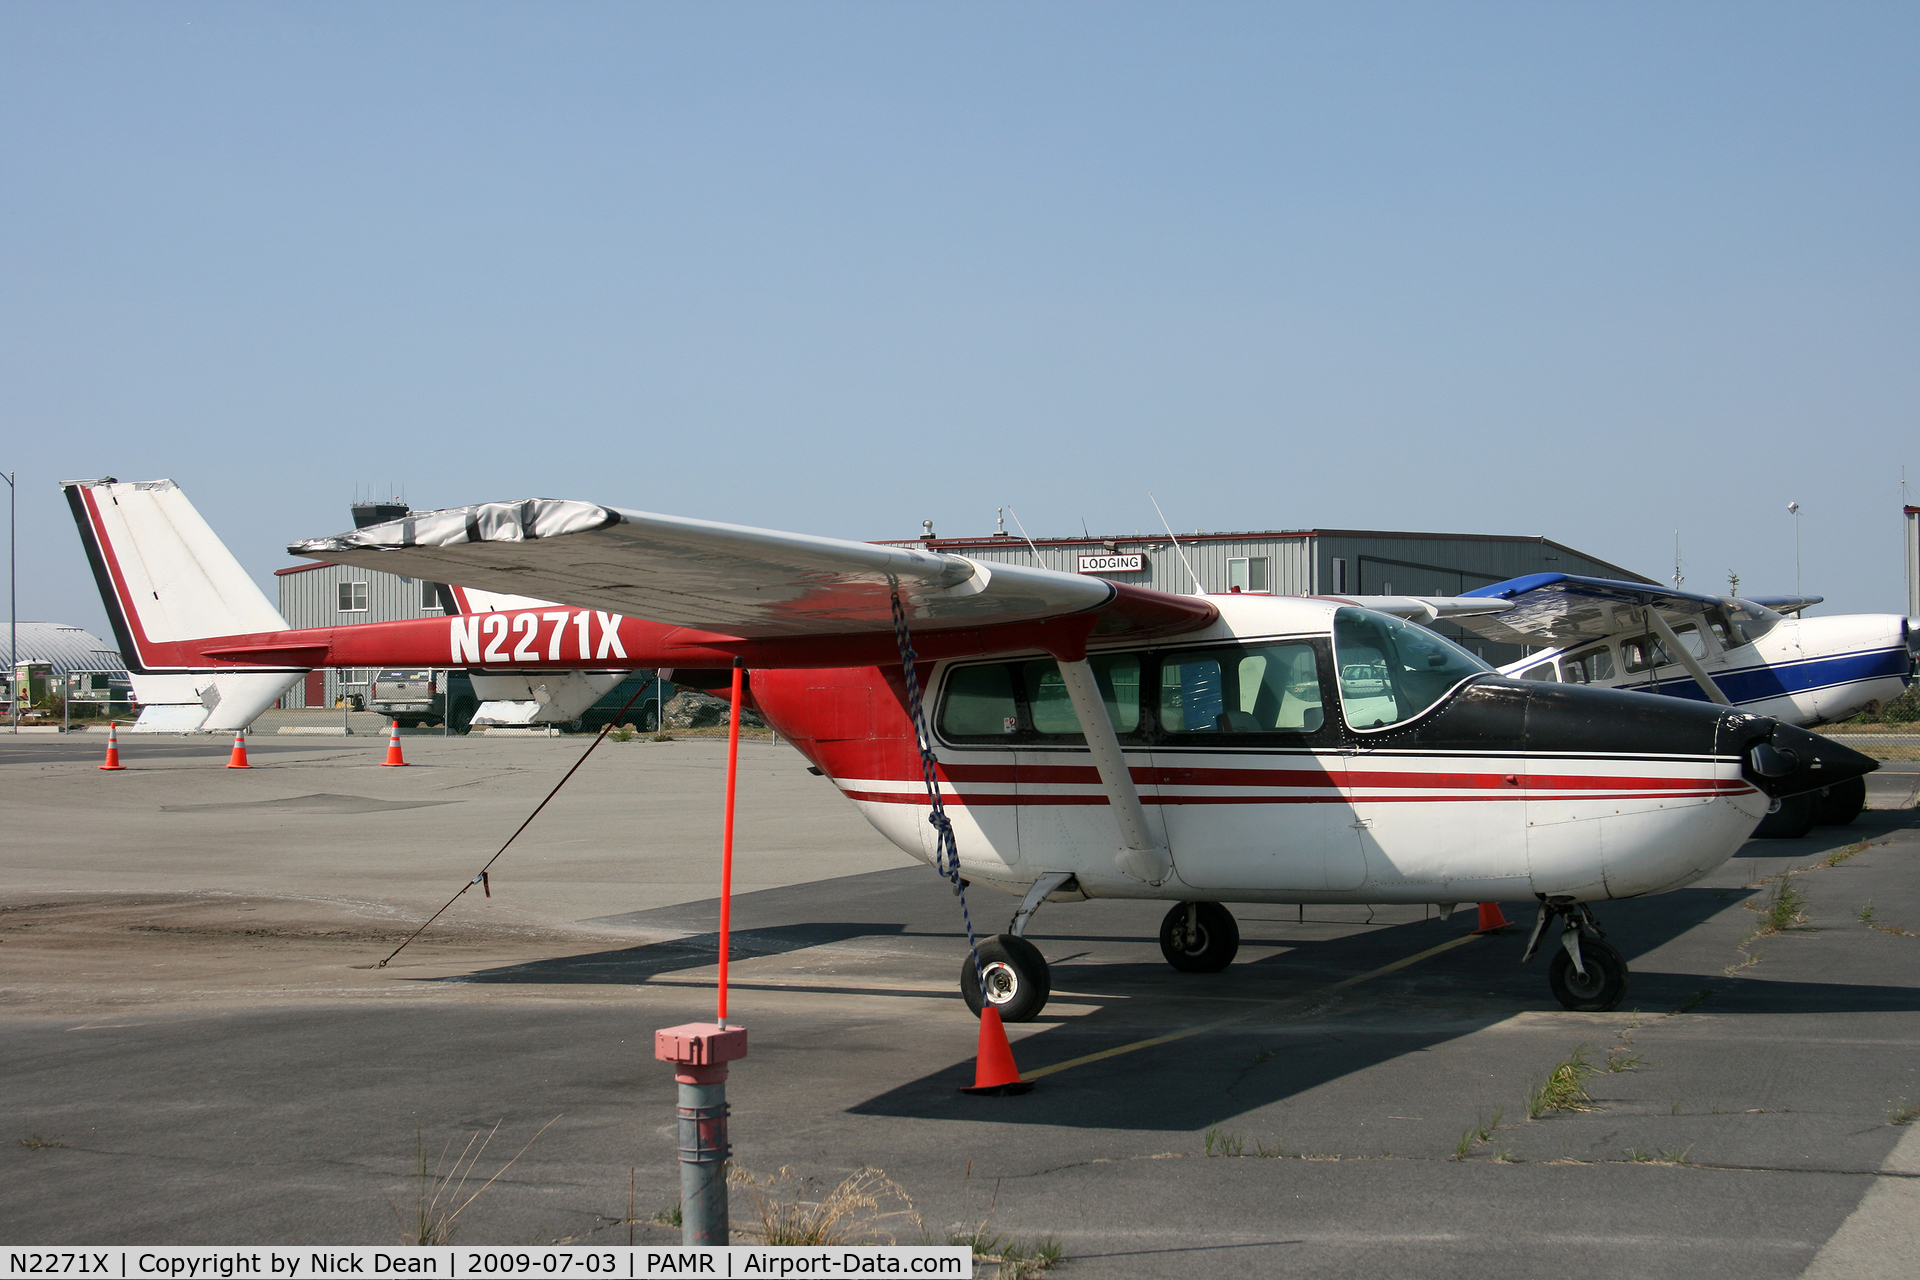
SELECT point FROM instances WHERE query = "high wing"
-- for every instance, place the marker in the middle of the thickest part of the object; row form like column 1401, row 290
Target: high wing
column 754, row 584
column 1554, row 609
column 1425, row 609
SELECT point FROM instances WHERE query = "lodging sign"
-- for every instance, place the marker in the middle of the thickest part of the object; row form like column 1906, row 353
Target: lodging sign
column 1134, row 563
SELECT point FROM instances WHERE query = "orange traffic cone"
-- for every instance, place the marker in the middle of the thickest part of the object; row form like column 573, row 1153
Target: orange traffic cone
column 238, row 760
column 1491, row 921
column 113, row 746
column 393, row 759
column 994, row 1074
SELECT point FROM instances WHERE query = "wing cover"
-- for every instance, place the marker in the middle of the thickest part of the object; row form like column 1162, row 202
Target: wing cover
column 1563, row 608
column 729, row 579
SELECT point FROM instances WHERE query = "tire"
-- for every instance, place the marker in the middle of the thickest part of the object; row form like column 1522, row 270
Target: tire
column 463, row 714
column 1604, row 986
column 1841, row 803
column 1018, row 980
column 1788, row 817
column 1214, row 948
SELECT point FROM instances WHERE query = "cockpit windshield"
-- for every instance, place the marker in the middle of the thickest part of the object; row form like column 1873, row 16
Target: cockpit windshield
column 1392, row 670
column 1750, row 621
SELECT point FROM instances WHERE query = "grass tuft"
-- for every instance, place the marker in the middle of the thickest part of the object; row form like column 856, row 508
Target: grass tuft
column 1866, row 912
column 864, row 1208
column 1221, row 1143
column 1565, row 1087
column 1621, row 1060
column 1476, row 1134
column 622, row 733
column 1693, row 1001
column 669, row 1217
column 1785, row 909
column 440, row 1193
column 1902, row 1112
column 34, row 1142
column 1014, row 1259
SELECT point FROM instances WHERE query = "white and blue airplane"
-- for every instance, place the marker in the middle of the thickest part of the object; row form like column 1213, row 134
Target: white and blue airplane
column 1759, row 656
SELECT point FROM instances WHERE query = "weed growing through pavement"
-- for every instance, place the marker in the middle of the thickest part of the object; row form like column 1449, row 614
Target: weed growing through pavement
column 661, row 737
column 1221, row 1143
column 1785, row 909
column 1692, row 1002
column 867, row 1207
column 1015, row 1260
column 1747, row 958
column 669, row 1217
column 1621, row 1060
column 1636, row 1156
column 440, row 1193
column 1679, row 1156
column 622, row 733
column 1902, row 1112
column 1866, row 913
column 1475, row 1135
column 34, row 1142
column 1565, row 1087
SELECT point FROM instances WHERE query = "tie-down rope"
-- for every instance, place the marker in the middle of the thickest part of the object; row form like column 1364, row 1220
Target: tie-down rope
column 946, row 857
column 481, row 878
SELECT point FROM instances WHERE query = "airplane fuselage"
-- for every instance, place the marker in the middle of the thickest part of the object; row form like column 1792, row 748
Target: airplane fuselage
column 1802, row 671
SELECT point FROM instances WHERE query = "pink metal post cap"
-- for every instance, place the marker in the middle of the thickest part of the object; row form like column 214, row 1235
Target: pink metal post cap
column 700, row 1044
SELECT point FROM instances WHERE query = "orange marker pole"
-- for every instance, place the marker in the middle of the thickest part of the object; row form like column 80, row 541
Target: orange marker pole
column 726, row 846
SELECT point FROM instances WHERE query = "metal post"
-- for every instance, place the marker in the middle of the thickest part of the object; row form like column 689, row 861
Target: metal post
column 700, row 1052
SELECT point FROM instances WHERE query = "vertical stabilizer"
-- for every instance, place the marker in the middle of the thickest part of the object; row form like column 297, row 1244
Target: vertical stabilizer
column 167, row 580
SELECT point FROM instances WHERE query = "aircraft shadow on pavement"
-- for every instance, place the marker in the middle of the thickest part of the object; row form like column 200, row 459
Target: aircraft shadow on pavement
column 696, row 951
column 1870, row 825
column 1312, row 1037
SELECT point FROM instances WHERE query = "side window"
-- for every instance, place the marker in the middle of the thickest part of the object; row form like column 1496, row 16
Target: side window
column 1247, row 574
column 1003, row 703
column 1722, row 630
column 1591, row 666
column 1542, row 672
column 1691, row 640
column 1643, row 653
column 979, row 704
column 1272, row 688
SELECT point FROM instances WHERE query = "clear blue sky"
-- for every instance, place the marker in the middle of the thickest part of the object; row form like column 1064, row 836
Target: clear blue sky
column 1593, row 271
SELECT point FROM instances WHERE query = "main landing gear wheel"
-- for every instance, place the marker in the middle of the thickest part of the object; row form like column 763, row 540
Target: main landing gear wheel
column 1603, row 985
column 1199, row 937
column 1790, row 817
column 1840, row 803
column 1017, row 979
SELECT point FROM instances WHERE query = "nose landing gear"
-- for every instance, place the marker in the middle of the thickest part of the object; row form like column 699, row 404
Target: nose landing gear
column 1586, row 974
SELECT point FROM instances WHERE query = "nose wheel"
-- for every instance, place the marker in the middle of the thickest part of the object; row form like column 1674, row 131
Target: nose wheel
column 1199, row 937
column 1587, row 973
column 1012, row 977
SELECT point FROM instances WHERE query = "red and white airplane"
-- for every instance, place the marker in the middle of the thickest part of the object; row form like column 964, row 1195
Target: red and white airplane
column 1086, row 738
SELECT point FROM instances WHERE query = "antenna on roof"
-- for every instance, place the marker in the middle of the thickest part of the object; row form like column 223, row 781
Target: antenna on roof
column 1678, row 576
column 1023, row 535
column 1178, row 549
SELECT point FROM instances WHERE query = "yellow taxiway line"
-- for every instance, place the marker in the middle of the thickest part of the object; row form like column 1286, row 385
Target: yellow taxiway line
column 1204, row 1027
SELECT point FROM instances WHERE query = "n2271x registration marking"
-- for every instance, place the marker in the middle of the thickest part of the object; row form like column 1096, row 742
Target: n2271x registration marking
column 57, row 1264
column 494, row 629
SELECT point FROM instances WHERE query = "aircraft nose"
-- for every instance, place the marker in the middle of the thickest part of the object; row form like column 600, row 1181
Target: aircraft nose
column 1787, row 760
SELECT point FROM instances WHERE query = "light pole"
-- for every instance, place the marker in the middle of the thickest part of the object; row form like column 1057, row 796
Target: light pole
column 13, row 605
column 1794, row 507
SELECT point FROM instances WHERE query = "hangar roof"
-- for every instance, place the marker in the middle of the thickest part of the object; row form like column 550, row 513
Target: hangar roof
column 66, row 648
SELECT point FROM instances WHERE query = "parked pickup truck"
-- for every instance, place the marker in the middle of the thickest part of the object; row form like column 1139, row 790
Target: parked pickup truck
column 418, row 696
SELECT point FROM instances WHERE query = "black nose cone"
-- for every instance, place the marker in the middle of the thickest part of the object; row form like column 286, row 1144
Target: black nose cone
column 1783, row 761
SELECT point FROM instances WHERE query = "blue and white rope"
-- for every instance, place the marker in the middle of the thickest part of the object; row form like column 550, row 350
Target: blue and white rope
column 946, row 852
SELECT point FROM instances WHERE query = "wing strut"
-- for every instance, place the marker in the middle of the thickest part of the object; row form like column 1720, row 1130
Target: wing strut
column 1687, row 660
column 1140, row 856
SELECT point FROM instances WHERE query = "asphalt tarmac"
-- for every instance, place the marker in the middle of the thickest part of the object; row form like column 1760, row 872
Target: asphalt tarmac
column 195, row 1047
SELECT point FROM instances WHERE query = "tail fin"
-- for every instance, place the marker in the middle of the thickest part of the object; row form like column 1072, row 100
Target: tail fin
column 167, row 580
